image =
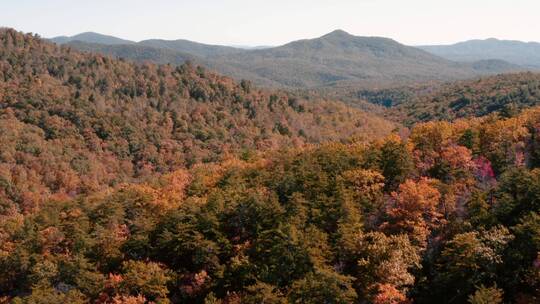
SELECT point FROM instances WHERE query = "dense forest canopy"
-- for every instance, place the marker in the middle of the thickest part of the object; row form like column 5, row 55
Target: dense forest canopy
column 125, row 183
column 449, row 215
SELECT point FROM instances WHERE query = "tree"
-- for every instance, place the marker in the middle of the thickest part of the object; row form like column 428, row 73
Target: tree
column 521, row 274
column 470, row 259
column 148, row 279
column 516, row 195
column 486, row 295
column 455, row 163
column 388, row 294
column 323, row 286
column 365, row 186
column 262, row 293
column 392, row 158
column 503, row 142
column 178, row 242
column 280, row 256
column 385, row 264
column 45, row 294
column 123, row 299
column 413, row 210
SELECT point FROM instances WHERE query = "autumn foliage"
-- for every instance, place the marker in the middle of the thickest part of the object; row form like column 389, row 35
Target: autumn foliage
column 117, row 201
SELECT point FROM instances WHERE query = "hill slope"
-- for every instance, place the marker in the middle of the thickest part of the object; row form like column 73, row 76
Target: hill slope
column 136, row 52
column 517, row 52
column 75, row 122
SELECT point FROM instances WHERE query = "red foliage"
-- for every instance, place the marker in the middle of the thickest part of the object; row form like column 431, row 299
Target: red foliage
column 388, row 294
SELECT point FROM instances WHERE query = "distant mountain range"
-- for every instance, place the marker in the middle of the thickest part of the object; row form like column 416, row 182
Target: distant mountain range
column 335, row 59
column 517, row 52
column 339, row 58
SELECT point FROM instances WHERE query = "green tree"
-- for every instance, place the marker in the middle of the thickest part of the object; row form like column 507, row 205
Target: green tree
column 149, row 279
column 470, row 259
column 323, row 286
column 45, row 294
column 486, row 295
column 393, row 159
column 262, row 293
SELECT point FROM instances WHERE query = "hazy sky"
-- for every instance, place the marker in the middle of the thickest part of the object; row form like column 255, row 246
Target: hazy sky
column 274, row 22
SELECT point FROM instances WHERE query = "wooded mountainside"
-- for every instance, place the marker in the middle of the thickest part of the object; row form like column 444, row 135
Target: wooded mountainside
column 73, row 123
column 505, row 94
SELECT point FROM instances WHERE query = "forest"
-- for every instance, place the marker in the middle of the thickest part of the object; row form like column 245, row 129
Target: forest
column 141, row 183
column 73, row 123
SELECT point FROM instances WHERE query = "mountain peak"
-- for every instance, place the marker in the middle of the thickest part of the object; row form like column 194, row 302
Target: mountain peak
column 91, row 37
column 90, row 33
column 337, row 33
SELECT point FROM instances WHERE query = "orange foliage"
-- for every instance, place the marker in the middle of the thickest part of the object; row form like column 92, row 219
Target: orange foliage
column 413, row 210
column 122, row 299
column 388, row 294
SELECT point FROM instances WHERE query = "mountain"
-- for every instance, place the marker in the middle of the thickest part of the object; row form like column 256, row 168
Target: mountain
column 180, row 45
column 249, row 47
column 341, row 58
column 91, row 37
column 73, row 122
column 522, row 53
column 335, row 59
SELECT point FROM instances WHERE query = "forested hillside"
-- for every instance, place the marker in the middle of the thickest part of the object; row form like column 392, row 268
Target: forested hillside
column 73, row 123
column 137, row 53
column 448, row 215
column 505, row 94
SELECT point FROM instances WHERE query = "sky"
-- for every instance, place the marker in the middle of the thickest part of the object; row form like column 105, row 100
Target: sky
column 275, row 22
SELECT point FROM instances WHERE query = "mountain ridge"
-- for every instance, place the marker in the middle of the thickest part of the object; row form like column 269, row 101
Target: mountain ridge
column 513, row 51
column 91, row 37
column 341, row 57
column 336, row 58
